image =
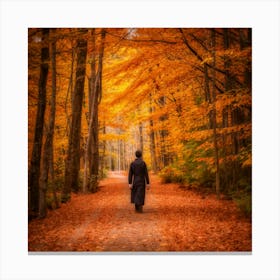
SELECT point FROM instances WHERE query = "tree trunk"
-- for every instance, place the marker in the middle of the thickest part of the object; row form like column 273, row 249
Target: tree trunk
column 88, row 158
column 69, row 92
column 49, row 138
column 162, row 136
column 90, row 101
column 207, row 87
column 244, row 42
column 213, row 101
column 102, row 167
column 141, row 141
column 152, row 140
column 226, row 111
column 73, row 156
column 97, row 95
column 92, row 139
column 34, row 171
column 52, row 183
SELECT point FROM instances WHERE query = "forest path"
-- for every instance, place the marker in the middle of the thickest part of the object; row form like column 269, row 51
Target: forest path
column 173, row 220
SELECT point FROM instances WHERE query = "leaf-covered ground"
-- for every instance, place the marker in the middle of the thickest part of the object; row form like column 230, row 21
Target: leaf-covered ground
column 173, row 220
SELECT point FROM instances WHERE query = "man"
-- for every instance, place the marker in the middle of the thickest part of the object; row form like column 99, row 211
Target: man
column 138, row 178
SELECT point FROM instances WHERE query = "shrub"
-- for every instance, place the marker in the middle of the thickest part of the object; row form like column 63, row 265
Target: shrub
column 50, row 201
column 172, row 174
column 244, row 203
column 103, row 173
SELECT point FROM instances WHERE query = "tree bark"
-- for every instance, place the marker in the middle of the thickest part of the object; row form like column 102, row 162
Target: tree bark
column 90, row 101
column 34, row 171
column 102, row 167
column 49, row 138
column 52, row 183
column 73, row 156
column 213, row 101
column 69, row 92
column 245, row 41
column 162, row 136
column 96, row 96
column 226, row 110
column 141, row 141
column 88, row 158
column 152, row 140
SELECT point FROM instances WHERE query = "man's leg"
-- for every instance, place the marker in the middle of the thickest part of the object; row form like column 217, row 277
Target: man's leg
column 138, row 208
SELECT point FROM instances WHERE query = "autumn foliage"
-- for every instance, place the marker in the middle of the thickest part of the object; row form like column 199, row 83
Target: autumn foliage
column 181, row 95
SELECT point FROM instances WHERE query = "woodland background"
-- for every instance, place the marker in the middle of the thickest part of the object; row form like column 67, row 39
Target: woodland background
column 182, row 95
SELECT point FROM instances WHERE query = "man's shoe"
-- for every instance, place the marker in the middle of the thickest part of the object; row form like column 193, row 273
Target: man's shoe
column 139, row 208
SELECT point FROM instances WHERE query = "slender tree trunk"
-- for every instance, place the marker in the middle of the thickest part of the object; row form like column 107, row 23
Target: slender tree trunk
column 119, row 155
column 92, row 88
column 49, row 139
column 213, row 40
column 34, row 171
column 73, row 156
column 141, row 141
column 89, row 148
column 125, row 165
column 226, row 111
column 162, row 136
column 88, row 162
column 102, row 167
column 97, row 95
column 94, row 135
column 69, row 92
column 152, row 140
column 52, row 182
column 207, row 87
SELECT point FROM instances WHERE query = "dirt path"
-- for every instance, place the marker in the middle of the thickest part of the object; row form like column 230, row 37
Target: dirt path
column 173, row 220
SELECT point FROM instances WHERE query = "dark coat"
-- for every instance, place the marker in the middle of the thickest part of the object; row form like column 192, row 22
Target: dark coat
column 138, row 177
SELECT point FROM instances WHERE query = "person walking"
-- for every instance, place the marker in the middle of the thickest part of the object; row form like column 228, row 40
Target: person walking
column 138, row 180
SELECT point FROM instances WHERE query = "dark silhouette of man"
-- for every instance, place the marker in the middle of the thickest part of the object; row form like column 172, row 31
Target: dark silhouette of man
column 138, row 179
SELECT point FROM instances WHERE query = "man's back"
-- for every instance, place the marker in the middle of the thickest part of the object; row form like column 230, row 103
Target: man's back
column 139, row 173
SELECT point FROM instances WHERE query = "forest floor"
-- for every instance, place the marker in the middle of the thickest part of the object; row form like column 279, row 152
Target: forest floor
column 173, row 220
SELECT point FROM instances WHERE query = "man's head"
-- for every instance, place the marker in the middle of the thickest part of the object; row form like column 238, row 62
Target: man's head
column 138, row 154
